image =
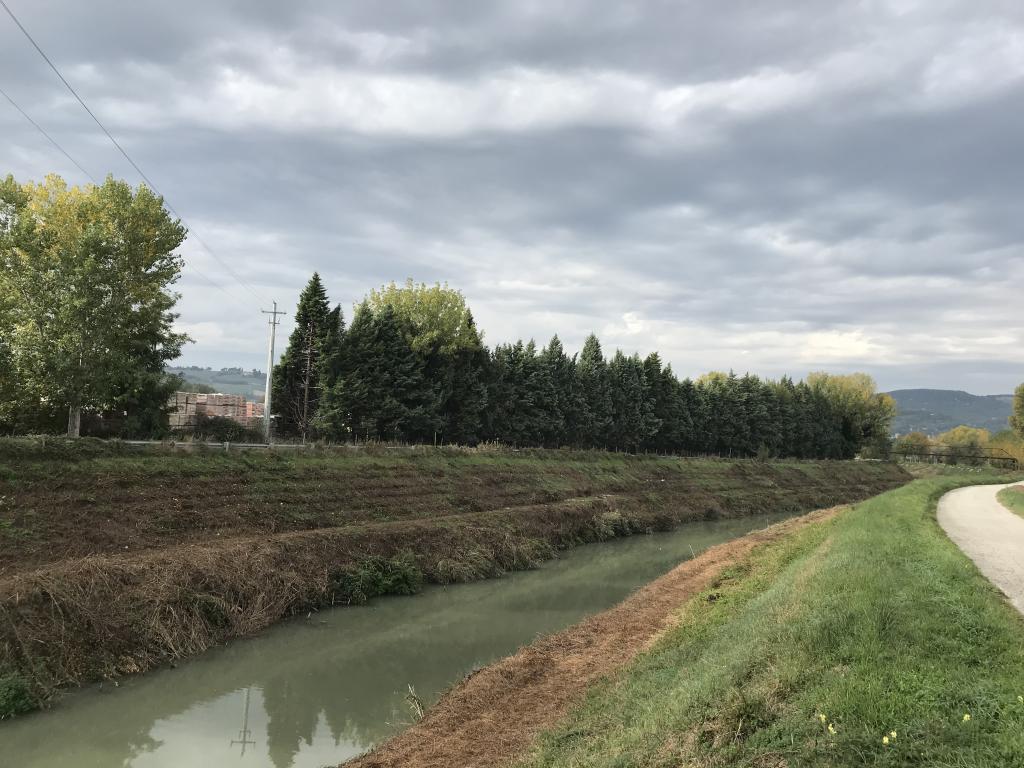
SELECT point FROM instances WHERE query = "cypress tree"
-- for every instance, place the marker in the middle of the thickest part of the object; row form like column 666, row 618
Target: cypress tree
column 296, row 392
column 633, row 421
column 465, row 400
column 330, row 421
column 404, row 405
column 595, row 395
column 561, row 410
column 691, row 418
column 346, row 402
column 543, row 417
column 380, row 391
column 332, row 350
column 501, row 395
column 665, row 404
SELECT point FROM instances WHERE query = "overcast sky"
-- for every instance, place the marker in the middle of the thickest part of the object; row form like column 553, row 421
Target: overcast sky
column 779, row 186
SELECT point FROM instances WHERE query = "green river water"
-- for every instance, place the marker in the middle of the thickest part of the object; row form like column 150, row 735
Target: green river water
column 313, row 692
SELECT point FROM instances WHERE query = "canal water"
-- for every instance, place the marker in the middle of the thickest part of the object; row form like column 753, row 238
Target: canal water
column 314, row 692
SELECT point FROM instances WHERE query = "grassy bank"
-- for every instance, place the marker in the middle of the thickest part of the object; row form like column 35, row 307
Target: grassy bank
column 1013, row 499
column 868, row 639
column 112, row 562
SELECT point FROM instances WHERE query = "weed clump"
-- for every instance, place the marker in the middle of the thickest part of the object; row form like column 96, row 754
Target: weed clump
column 376, row 576
column 15, row 695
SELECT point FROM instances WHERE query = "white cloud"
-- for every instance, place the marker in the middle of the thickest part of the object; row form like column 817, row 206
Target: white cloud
column 984, row 59
column 766, row 186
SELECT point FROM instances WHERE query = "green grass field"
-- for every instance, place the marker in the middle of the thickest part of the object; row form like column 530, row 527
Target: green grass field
column 866, row 640
column 1013, row 499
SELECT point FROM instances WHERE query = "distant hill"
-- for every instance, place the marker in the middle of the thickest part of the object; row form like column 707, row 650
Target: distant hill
column 232, row 381
column 936, row 410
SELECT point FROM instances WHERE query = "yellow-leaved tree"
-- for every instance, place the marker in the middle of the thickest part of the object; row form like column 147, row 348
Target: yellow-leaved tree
column 85, row 296
column 1017, row 417
column 867, row 414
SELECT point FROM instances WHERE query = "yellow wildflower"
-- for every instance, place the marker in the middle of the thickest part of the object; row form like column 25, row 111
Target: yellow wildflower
column 821, row 716
column 967, row 717
column 832, row 729
column 885, row 740
column 892, row 734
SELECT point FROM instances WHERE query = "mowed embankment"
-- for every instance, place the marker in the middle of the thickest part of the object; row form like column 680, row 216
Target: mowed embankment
column 868, row 639
column 855, row 636
column 111, row 562
column 492, row 716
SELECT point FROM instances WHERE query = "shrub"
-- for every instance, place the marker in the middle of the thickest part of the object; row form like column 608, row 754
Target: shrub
column 15, row 695
column 220, row 429
column 377, row 576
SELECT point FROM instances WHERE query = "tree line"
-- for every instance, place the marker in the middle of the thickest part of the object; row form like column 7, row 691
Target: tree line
column 412, row 366
column 87, row 318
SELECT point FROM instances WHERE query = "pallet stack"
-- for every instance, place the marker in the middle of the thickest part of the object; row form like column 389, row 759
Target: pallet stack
column 183, row 409
column 225, row 406
column 186, row 407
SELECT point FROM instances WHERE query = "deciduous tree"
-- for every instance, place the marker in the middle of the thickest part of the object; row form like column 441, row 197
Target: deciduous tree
column 86, row 276
column 1017, row 417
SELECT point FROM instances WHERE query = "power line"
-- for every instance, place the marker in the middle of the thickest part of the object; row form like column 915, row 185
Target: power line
column 52, row 140
column 78, row 165
column 223, row 263
column 74, row 92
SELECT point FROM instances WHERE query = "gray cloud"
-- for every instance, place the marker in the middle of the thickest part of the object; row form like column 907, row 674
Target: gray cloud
column 775, row 187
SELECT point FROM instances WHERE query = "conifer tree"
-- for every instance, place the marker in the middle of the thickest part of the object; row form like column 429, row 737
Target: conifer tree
column 502, row 391
column 690, row 424
column 346, row 393
column 566, row 409
column 633, row 421
column 661, row 387
column 380, row 392
column 332, row 349
column 465, row 400
column 296, row 392
column 595, row 394
column 543, row 418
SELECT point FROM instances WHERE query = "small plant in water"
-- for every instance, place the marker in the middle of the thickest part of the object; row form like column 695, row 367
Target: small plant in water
column 415, row 704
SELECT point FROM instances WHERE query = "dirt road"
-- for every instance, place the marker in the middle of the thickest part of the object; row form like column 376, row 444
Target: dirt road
column 988, row 533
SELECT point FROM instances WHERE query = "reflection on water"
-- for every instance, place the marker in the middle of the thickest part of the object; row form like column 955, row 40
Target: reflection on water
column 317, row 691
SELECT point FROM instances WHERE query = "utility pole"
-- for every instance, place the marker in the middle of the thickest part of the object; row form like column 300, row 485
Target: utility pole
column 273, row 323
column 244, row 734
column 305, row 390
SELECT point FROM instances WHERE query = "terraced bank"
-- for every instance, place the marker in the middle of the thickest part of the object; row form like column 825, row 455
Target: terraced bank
column 112, row 561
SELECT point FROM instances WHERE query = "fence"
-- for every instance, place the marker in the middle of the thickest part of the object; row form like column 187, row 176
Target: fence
column 951, row 455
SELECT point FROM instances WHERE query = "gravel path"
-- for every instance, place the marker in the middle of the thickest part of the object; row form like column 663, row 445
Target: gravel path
column 988, row 533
